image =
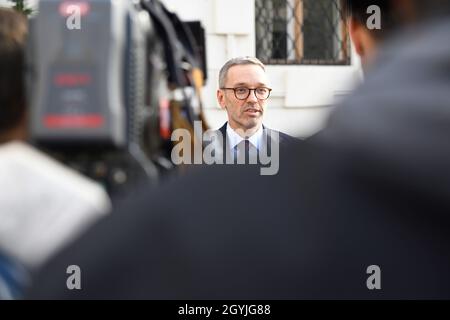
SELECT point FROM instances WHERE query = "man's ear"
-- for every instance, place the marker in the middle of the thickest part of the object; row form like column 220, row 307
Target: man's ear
column 356, row 31
column 221, row 98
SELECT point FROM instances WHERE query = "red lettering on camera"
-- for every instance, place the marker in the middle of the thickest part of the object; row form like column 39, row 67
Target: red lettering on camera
column 72, row 80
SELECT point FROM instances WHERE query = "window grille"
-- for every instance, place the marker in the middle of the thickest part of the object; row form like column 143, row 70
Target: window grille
column 301, row 32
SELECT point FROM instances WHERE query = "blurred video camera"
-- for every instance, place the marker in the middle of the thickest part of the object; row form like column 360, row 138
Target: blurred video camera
column 108, row 81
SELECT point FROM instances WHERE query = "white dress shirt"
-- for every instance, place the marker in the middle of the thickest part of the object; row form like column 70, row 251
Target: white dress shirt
column 256, row 140
column 234, row 138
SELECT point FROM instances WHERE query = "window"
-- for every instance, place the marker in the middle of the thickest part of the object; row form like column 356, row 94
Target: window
column 301, row 32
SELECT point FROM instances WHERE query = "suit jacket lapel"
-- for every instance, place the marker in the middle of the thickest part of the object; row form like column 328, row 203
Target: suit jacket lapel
column 267, row 139
column 225, row 144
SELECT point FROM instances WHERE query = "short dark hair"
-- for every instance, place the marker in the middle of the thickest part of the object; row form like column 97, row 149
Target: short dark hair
column 13, row 32
column 392, row 17
column 357, row 9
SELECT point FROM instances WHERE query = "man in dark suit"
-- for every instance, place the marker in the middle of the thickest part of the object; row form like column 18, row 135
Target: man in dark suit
column 243, row 93
column 359, row 212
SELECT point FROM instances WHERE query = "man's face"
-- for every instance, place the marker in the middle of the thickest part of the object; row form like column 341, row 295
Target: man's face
column 244, row 114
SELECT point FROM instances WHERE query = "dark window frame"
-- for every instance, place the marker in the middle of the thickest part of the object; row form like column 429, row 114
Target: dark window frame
column 287, row 32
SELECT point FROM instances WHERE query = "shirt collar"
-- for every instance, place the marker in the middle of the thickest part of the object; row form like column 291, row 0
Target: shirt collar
column 234, row 139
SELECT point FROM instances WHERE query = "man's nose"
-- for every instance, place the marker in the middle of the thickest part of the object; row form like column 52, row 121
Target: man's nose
column 252, row 97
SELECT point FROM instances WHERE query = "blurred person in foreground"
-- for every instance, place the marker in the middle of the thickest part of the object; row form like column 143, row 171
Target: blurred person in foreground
column 360, row 212
column 43, row 205
column 366, row 38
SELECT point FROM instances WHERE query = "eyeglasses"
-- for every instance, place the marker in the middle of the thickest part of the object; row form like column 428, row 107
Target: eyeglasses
column 242, row 93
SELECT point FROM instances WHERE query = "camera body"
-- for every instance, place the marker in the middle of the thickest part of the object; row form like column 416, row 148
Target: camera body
column 96, row 88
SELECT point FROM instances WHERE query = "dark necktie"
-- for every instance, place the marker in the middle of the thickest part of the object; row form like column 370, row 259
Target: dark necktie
column 242, row 152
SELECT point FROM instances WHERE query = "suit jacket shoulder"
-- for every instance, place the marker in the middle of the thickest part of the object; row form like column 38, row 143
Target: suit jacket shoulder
column 283, row 137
